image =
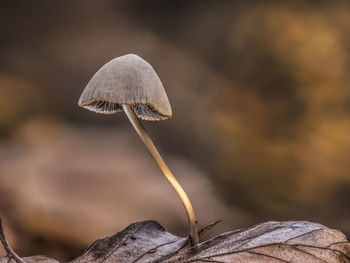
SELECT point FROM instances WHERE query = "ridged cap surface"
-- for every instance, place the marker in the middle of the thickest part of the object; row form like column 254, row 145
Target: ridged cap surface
column 127, row 80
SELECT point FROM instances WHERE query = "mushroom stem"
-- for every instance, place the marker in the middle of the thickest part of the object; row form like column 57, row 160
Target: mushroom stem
column 166, row 171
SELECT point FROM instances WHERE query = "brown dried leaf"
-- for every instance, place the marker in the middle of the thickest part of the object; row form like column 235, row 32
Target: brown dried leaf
column 33, row 259
column 145, row 241
column 294, row 241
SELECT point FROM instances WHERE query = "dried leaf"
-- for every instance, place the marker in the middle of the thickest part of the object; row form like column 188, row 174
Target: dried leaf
column 33, row 259
column 294, row 241
column 145, row 241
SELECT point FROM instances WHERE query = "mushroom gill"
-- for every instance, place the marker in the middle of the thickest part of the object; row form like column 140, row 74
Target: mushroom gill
column 143, row 111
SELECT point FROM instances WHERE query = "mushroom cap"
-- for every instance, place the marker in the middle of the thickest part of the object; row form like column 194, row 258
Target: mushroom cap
column 127, row 80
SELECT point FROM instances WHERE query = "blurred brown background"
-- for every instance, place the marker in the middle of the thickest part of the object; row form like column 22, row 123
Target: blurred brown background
column 260, row 128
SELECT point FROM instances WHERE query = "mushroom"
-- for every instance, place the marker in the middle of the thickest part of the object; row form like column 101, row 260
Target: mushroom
column 130, row 84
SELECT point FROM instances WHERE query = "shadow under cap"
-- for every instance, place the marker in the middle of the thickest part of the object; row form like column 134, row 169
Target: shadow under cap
column 127, row 80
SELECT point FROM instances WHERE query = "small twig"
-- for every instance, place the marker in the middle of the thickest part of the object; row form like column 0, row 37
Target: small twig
column 5, row 244
column 200, row 234
column 208, row 227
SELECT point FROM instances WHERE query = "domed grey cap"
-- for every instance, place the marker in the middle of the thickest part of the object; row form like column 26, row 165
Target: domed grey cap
column 127, row 80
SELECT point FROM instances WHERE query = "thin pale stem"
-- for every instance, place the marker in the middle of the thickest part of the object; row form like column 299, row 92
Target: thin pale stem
column 9, row 251
column 166, row 171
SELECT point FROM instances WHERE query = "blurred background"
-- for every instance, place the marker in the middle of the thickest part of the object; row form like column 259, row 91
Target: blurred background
column 260, row 128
